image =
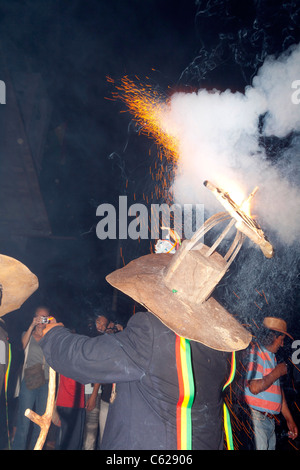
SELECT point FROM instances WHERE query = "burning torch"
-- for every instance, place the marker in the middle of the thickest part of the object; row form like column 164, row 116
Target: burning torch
column 244, row 222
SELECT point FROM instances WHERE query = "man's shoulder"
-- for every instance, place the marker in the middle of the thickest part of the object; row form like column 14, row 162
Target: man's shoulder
column 149, row 320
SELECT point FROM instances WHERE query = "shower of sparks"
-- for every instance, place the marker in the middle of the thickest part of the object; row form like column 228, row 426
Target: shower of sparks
column 150, row 109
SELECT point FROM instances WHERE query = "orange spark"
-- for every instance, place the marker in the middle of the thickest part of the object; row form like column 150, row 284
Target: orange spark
column 296, row 406
column 121, row 254
column 265, row 297
column 149, row 109
column 293, row 445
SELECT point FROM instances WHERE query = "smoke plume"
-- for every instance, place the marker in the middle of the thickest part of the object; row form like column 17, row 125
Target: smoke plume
column 225, row 137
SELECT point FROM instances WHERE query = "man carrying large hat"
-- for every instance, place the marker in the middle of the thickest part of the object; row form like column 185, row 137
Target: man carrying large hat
column 170, row 363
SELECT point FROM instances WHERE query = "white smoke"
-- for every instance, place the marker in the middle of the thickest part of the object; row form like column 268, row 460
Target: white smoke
column 274, row 81
column 219, row 137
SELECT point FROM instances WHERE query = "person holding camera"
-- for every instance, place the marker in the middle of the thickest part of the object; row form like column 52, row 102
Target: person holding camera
column 263, row 392
column 33, row 388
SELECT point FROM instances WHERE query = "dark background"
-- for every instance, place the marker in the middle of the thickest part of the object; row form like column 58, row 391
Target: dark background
column 85, row 151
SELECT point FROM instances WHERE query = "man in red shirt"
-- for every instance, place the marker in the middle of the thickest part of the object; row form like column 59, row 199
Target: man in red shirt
column 70, row 417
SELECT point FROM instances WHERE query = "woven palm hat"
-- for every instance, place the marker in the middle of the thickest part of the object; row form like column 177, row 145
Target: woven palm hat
column 177, row 289
column 17, row 283
column 276, row 324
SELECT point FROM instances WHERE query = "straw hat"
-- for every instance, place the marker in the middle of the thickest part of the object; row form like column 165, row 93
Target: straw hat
column 276, row 324
column 177, row 289
column 17, row 283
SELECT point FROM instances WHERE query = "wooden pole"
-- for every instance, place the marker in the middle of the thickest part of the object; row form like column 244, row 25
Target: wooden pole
column 44, row 421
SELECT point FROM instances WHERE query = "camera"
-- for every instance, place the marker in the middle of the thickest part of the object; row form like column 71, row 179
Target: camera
column 44, row 320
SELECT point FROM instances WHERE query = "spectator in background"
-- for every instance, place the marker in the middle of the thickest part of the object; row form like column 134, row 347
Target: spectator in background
column 33, row 391
column 70, row 414
column 101, row 324
column 263, row 392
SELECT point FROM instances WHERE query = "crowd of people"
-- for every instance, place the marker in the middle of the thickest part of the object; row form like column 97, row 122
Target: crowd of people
column 80, row 411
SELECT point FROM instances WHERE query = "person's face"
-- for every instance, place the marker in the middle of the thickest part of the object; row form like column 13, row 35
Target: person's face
column 101, row 324
column 42, row 312
column 278, row 342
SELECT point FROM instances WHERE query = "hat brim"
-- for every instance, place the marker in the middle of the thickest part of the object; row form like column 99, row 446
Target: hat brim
column 18, row 283
column 282, row 332
column 208, row 323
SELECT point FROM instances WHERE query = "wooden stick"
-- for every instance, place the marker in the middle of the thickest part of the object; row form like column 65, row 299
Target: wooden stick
column 189, row 244
column 44, row 421
column 221, row 237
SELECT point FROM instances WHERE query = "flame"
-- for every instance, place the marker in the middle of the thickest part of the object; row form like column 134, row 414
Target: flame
column 150, row 110
column 246, row 208
column 246, row 205
column 244, row 222
column 239, row 195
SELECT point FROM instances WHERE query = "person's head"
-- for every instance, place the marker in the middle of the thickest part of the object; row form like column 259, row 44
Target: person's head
column 275, row 330
column 101, row 323
column 42, row 311
column 272, row 340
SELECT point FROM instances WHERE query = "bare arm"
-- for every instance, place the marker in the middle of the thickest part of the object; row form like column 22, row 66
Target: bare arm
column 260, row 385
column 293, row 431
column 91, row 402
column 27, row 335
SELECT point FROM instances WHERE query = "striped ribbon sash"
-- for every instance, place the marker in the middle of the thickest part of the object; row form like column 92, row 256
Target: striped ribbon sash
column 6, row 390
column 227, row 421
column 186, row 393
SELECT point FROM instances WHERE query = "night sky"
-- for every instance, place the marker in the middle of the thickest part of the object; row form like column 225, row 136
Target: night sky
column 75, row 46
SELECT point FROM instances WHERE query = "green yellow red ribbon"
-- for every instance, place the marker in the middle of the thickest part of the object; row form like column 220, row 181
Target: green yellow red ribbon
column 186, row 393
column 6, row 388
column 227, row 422
column 186, row 396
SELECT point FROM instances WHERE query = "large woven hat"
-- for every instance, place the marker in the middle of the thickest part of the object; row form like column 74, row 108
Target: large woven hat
column 17, row 283
column 276, row 324
column 177, row 289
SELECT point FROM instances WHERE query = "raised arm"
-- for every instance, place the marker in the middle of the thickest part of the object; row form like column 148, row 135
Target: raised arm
column 28, row 333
